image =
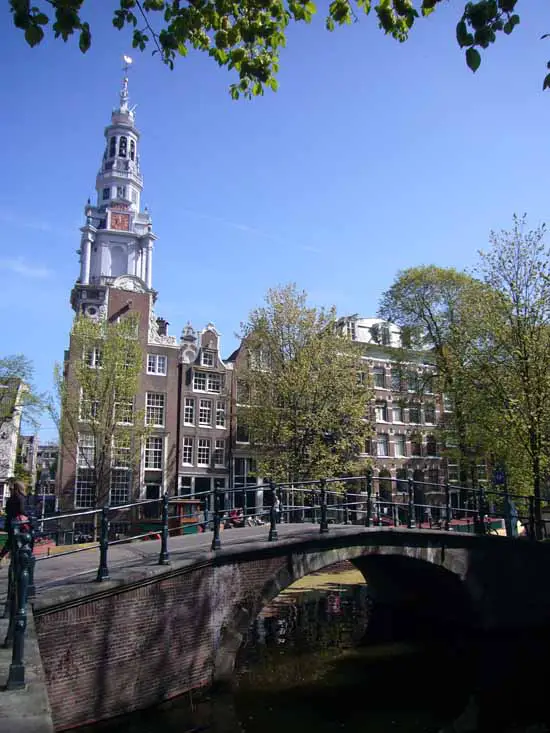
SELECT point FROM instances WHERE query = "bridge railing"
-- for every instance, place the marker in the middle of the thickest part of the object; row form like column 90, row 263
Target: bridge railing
column 335, row 500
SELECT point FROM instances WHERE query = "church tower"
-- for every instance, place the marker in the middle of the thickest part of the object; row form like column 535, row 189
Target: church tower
column 117, row 239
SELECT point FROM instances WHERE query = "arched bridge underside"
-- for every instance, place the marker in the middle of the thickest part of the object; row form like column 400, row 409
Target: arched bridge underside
column 157, row 632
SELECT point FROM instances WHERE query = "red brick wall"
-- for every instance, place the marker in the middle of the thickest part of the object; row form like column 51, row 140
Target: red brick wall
column 135, row 647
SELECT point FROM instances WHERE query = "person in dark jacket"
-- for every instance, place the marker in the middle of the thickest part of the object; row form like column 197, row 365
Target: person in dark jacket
column 15, row 506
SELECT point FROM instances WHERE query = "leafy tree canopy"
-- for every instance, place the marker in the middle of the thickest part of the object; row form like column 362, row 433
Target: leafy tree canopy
column 301, row 391
column 247, row 36
column 14, row 370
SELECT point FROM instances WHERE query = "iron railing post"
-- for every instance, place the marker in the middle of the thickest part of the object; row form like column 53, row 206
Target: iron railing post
column 323, row 525
column 16, row 675
column 103, row 570
column 31, row 593
column 411, row 519
column 368, row 479
column 273, row 533
column 164, row 556
column 481, row 511
column 532, row 519
column 11, row 581
column 313, row 512
column 216, row 542
column 11, row 602
column 346, row 507
column 446, row 525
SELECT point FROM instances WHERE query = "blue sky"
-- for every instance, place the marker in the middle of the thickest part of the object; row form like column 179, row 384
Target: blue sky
column 372, row 157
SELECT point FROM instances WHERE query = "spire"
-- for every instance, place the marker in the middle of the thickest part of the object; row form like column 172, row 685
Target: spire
column 124, row 89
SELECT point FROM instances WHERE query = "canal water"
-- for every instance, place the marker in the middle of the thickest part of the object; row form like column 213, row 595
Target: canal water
column 323, row 657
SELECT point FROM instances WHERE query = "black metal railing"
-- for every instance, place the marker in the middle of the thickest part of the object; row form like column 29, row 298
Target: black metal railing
column 348, row 500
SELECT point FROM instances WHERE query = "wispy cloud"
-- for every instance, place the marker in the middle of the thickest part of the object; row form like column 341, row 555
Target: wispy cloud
column 278, row 239
column 18, row 266
column 36, row 225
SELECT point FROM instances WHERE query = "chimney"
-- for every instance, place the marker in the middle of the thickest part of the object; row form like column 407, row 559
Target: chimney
column 162, row 326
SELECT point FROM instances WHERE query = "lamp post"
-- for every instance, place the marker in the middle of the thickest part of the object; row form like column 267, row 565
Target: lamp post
column 43, row 485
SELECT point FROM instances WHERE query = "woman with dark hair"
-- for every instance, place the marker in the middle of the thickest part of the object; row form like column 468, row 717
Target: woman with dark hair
column 15, row 507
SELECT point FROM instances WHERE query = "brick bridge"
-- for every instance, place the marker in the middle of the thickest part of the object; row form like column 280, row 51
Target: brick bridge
column 154, row 632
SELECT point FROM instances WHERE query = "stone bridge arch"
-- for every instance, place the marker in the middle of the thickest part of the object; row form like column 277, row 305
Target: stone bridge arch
column 422, row 579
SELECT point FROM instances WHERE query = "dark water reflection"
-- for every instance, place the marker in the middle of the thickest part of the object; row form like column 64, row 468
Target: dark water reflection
column 326, row 660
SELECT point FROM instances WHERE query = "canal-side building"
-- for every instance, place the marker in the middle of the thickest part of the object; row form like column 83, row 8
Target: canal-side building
column 406, row 410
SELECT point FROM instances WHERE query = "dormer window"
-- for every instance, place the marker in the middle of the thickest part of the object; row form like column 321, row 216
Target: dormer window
column 132, row 150
column 207, row 358
column 112, row 147
column 121, row 192
column 122, row 146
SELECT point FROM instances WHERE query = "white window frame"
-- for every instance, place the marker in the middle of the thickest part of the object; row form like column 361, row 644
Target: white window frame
column 154, row 447
column 153, row 364
column 203, row 444
column 189, row 411
column 382, row 439
column 219, row 450
column 94, row 357
column 205, row 408
column 124, row 409
column 208, row 358
column 188, row 446
column 207, row 382
column 155, row 409
column 220, row 413
column 398, row 442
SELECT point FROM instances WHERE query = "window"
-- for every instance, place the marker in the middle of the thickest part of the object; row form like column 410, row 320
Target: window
column 124, row 412
column 185, row 485
column 429, row 412
column 106, row 193
column 429, row 383
column 416, row 445
column 207, row 382
column 121, row 192
column 382, row 445
column 86, row 451
column 187, row 452
column 154, row 409
column 207, row 358
column 121, row 453
column 205, row 412
column 219, row 453
column 153, row 453
column 385, row 335
column 350, row 330
column 112, row 147
column 379, row 377
column 85, row 488
column 156, row 364
column 220, row 414
column 396, row 381
column 397, row 413
column 203, row 452
column 399, row 443
column 120, row 486
column 199, row 381
column 412, row 382
column 189, row 411
column 132, row 150
column 381, row 411
column 122, row 146
column 447, row 403
column 414, row 412
column 243, row 435
column 431, row 446
column 94, row 358
column 89, row 409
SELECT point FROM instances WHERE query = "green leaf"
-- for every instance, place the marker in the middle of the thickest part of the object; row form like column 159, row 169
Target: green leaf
column 85, row 40
column 33, row 35
column 182, row 49
column 546, row 83
column 473, row 59
column 462, row 34
column 41, row 19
